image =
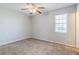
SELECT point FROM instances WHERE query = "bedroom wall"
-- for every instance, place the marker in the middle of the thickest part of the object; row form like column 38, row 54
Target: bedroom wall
column 14, row 26
column 44, row 27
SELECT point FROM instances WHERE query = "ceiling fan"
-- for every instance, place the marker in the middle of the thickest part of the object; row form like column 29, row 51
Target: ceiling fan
column 33, row 8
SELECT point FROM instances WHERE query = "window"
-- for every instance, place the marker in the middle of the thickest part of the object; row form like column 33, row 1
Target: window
column 61, row 23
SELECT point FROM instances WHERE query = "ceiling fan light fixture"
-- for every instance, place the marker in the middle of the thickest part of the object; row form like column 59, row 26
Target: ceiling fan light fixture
column 32, row 8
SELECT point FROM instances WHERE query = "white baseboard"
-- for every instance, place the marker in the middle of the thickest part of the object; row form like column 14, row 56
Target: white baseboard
column 53, row 41
column 4, row 43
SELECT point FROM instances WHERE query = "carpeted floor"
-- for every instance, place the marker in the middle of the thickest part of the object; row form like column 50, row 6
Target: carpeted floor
column 36, row 47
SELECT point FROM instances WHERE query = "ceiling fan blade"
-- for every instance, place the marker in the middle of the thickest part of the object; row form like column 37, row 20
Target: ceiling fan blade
column 32, row 4
column 39, row 11
column 24, row 9
column 41, row 7
column 31, row 13
column 28, row 3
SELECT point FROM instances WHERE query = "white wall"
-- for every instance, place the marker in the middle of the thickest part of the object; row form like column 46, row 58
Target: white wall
column 14, row 26
column 44, row 28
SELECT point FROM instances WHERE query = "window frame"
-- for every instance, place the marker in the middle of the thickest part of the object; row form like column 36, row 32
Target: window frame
column 61, row 23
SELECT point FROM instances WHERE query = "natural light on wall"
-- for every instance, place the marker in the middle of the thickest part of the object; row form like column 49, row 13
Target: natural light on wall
column 61, row 23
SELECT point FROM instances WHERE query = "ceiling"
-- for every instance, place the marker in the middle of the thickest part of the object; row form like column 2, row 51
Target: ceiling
column 48, row 6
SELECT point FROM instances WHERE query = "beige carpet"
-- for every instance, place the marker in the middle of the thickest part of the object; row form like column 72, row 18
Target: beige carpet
column 36, row 47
